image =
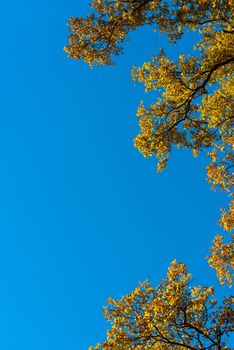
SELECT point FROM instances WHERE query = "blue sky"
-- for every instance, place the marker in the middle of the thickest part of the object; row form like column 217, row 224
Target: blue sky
column 83, row 215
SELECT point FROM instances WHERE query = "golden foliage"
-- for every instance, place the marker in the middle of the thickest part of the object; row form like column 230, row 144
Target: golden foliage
column 222, row 257
column 174, row 315
column 195, row 106
column 194, row 110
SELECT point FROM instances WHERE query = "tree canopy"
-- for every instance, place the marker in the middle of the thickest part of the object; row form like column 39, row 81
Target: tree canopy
column 195, row 106
column 171, row 316
column 193, row 110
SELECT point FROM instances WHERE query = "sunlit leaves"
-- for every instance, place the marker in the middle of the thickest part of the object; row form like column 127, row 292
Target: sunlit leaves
column 195, row 106
column 101, row 35
column 174, row 315
column 194, row 109
column 222, row 257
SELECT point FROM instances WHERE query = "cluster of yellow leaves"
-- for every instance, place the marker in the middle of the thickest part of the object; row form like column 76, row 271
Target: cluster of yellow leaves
column 101, row 35
column 171, row 316
column 227, row 219
column 222, row 257
column 176, row 118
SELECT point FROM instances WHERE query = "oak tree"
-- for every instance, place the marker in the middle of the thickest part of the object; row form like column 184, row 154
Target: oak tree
column 193, row 110
column 174, row 315
column 195, row 103
column 195, row 107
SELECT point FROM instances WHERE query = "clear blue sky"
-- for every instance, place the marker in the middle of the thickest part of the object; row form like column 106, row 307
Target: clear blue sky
column 83, row 216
